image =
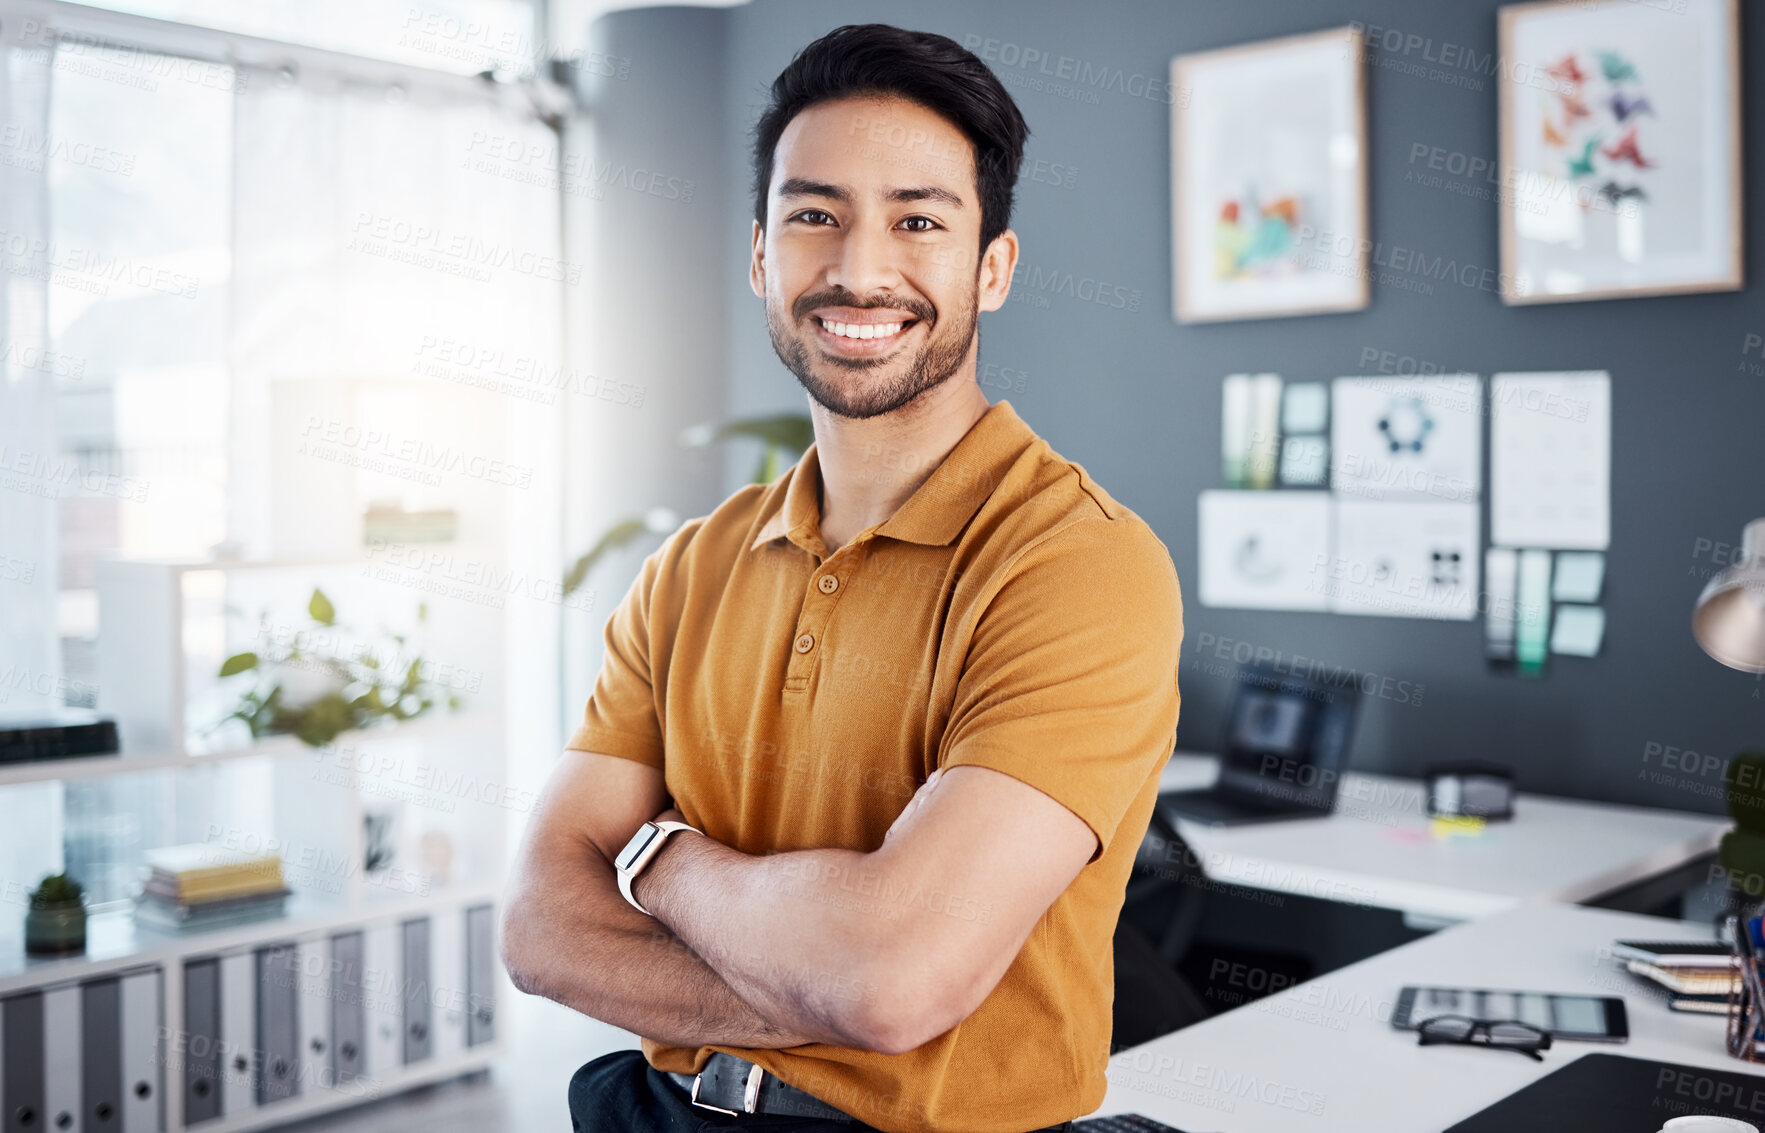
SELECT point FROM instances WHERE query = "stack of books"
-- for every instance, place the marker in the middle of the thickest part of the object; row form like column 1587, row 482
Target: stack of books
column 204, row 886
column 1700, row 979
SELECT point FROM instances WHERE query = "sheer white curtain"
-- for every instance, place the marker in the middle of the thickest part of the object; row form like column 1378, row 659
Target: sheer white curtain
column 30, row 660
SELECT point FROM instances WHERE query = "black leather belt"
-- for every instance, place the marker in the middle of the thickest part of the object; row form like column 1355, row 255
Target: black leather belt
column 734, row 1085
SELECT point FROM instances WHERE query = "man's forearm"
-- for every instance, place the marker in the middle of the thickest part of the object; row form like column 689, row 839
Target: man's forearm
column 572, row 938
column 775, row 930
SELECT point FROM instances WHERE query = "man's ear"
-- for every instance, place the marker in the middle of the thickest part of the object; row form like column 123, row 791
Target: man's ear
column 998, row 263
column 757, row 262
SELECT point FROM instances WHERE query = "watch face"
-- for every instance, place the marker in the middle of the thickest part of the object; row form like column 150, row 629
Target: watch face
column 634, row 848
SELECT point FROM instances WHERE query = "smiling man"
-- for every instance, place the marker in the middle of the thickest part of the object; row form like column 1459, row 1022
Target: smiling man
column 846, row 828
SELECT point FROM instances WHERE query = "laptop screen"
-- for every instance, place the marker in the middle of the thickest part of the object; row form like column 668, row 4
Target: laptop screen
column 1287, row 739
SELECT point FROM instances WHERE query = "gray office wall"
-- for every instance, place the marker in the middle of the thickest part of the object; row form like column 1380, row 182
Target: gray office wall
column 1134, row 397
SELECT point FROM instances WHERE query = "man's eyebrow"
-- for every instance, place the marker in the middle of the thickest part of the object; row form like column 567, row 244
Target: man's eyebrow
column 923, row 193
column 806, row 187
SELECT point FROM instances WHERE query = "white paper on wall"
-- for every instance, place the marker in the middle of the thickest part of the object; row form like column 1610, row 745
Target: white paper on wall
column 1408, row 438
column 1264, row 550
column 1550, row 456
column 1405, row 560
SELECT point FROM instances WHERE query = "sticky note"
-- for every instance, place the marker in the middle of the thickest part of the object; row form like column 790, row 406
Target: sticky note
column 1578, row 576
column 1578, row 630
column 1532, row 611
column 1305, row 407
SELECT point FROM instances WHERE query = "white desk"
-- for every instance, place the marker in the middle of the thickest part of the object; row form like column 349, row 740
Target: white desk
column 1376, row 849
column 1323, row 1056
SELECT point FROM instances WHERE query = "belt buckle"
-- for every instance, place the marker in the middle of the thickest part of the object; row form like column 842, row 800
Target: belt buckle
column 750, row 1092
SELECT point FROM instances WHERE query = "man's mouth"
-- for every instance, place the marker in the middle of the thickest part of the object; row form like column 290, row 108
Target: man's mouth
column 864, row 330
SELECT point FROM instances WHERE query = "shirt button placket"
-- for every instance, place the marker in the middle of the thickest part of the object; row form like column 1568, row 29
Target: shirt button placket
column 815, row 613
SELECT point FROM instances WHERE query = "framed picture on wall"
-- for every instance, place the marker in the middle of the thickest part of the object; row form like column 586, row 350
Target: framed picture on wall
column 1620, row 149
column 1269, row 179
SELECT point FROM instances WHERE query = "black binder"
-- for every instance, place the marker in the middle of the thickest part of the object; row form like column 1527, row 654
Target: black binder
column 418, row 1039
column 481, row 974
column 202, row 1027
column 278, row 1027
column 349, row 1033
column 23, row 1073
column 101, row 1063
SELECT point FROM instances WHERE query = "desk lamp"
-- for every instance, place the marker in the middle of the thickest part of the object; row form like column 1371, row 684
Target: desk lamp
column 1729, row 619
column 1729, row 623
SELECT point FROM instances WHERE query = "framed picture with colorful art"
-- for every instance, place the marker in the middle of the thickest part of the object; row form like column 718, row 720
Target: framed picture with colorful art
column 1269, row 179
column 1620, row 149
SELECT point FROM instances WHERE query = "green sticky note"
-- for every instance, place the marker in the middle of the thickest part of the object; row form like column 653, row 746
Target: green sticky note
column 1532, row 612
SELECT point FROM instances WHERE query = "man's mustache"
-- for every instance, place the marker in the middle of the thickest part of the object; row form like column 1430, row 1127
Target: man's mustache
column 839, row 297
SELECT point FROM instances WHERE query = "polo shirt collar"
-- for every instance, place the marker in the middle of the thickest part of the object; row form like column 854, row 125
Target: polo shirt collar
column 938, row 509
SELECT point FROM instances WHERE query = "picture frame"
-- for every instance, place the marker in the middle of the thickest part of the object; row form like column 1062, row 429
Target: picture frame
column 1269, row 179
column 1621, row 156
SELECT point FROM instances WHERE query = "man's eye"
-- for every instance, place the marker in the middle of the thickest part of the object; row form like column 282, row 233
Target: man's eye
column 920, row 223
column 814, row 216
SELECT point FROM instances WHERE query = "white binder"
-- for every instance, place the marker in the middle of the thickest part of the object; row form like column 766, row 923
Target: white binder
column 447, row 983
column 237, row 1063
column 382, row 988
column 143, row 1083
column 313, row 1010
column 61, row 1059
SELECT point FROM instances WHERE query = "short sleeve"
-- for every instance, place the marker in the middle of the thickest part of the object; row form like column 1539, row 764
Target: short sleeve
column 621, row 718
column 1070, row 684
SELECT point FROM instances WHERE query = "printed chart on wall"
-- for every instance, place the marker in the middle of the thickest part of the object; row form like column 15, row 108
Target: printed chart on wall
column 1550, row 452
column 1403, row 438
column 1407, row 476
column 1264, row 550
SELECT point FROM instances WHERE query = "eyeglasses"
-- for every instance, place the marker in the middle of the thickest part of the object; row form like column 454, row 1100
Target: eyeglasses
column 1502, row 1034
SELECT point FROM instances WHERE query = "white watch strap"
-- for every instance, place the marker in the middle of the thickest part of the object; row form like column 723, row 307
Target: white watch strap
column 666, row 829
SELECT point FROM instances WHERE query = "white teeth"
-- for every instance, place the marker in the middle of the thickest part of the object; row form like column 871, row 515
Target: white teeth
column 862, row 330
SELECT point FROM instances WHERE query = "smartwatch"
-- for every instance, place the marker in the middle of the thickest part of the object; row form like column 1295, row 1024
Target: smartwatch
column 637, row 853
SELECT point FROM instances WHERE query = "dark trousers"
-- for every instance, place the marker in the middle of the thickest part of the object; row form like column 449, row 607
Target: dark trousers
column 622, row 1093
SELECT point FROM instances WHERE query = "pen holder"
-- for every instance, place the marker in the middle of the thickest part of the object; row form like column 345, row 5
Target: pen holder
column 1746, row 1002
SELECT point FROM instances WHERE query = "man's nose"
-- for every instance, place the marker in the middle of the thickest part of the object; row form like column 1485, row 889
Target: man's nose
column 867, row 262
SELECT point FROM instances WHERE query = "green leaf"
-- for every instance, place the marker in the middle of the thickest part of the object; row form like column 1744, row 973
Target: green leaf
column 238, row 663
column 621, row 533
column 321, row 609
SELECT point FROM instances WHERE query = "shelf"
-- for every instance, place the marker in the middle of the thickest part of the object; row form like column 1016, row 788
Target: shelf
column 99, row 766
column 114, row 942
column 306, row 1105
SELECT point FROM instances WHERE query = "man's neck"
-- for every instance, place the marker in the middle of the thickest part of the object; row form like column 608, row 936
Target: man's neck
column 870, row 467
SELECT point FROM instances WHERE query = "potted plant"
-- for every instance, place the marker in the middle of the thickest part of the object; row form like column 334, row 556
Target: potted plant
column 56, row 922
column 778, row 435
column 314, row 688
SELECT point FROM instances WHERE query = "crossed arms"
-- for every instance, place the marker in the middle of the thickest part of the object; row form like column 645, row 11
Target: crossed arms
column 811, row 946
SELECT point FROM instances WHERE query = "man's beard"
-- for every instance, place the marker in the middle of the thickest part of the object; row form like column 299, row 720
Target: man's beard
column 944, row 351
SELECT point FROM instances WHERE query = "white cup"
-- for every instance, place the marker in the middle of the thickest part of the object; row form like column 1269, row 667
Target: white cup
column 1696, row 1124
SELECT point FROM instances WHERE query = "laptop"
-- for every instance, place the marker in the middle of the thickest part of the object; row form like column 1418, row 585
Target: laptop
column 1286, row 747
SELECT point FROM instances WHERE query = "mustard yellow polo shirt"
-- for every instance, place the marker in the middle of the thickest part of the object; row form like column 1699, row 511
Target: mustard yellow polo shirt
column 1011, row 615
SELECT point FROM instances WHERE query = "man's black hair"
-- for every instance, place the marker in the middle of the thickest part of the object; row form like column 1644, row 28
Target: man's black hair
column 932, row 70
